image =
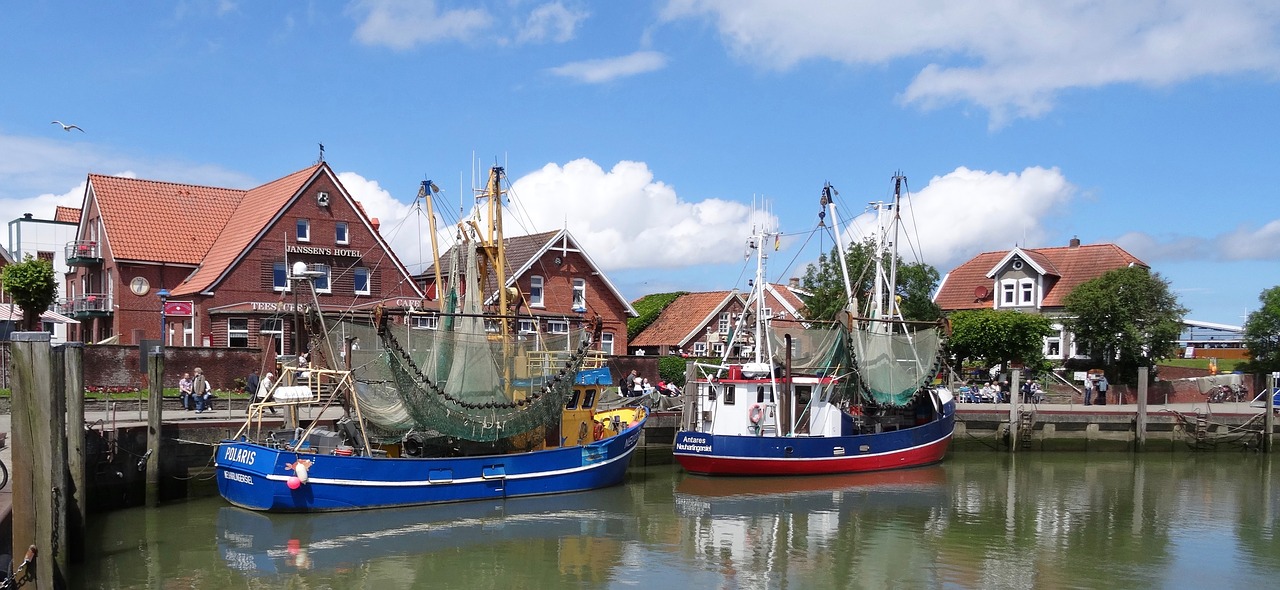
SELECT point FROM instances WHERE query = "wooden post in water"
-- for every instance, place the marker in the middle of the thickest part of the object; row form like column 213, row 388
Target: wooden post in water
column 1015, row 375
column 73, row 361
column 1269, row 421
column 155, row 414
column 1140, row 427
column 38, row 485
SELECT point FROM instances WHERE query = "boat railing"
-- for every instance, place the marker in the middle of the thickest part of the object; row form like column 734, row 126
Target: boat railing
column 542, row 361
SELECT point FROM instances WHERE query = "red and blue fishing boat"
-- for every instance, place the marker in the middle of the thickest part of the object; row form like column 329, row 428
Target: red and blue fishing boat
column 852, row 395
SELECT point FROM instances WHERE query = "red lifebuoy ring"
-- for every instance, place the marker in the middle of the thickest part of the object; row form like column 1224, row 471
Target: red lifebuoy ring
column 756, row 413
column 599, row 431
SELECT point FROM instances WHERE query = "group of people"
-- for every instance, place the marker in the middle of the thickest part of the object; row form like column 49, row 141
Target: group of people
column 1095, row 384
column 636, row 386
column 196, row 392
column 992, row 392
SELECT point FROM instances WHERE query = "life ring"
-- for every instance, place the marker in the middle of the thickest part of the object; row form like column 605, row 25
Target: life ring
column 756, row 413
column 599, row 431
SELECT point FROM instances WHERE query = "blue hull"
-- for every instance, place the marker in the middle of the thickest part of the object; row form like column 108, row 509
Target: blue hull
column 255, row 476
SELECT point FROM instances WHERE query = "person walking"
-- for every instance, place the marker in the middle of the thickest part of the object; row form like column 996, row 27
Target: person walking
column 251, row 383
column 184, row 391
column 263, row 393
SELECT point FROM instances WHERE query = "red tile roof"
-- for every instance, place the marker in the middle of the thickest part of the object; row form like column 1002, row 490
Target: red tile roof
column 153, row 221
column 1072, row 265
column 683, row 318
column 255, row 211
column 66, row 214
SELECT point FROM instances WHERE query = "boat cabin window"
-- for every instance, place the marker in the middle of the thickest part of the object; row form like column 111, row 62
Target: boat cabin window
column 574, row 397
column 759, row 394
column 730, row 394
column 589, row 399
column 711, row 393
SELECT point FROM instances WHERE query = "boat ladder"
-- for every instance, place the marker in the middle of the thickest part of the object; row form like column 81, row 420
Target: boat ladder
column 1026, row 425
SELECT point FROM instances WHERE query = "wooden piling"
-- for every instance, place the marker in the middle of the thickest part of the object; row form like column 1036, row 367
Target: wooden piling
column 77, row 499
column 1269, row 421
column 155, row 401
column 1140, row 427
column 1015, row 377
column 39, row 486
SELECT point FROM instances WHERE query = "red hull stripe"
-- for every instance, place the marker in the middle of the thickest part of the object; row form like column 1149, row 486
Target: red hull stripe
column 925, row 454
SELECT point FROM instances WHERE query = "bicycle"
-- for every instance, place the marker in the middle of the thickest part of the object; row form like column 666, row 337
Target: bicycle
column 4, row 475
column 1226, row 393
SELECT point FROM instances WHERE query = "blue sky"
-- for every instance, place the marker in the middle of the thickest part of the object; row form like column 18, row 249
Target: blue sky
column 651, row 128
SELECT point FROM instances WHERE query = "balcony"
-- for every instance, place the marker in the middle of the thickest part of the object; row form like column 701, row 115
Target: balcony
column 83, row 253
column 90, row 305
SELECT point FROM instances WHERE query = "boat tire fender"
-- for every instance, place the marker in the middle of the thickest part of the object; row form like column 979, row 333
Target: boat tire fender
column 756, row 413
column 598, row 434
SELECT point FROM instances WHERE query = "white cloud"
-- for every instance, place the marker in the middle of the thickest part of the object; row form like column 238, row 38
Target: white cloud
column 551, row 21
column 1010, row 57
column 405, row 24
column 625, row 219
column 596, row 71
column 1243, row 243
column 399, row 224
column 966, row 212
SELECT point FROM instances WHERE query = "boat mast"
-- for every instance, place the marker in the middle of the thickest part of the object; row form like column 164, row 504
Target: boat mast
column 828, row 200
column 425, row 192
column 492, row 246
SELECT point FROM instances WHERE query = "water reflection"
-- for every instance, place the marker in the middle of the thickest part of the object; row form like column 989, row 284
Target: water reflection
column 976, row 521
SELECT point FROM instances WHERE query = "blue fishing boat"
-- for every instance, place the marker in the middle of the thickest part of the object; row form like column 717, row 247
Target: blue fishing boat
column 463, row 408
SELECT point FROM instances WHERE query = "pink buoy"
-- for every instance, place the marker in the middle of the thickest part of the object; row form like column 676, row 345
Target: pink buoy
column 294, row 483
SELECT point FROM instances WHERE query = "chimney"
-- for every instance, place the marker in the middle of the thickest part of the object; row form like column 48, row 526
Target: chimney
column 374, row 222
column 793, row 282
column 1074, row 243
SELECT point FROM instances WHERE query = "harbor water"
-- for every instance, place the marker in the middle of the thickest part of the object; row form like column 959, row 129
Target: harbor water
column 979, row 520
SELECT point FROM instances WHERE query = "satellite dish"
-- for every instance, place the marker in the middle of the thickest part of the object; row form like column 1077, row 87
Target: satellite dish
column 980, row 292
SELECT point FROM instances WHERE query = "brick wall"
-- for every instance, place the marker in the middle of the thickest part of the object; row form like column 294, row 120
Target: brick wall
column 117, row 366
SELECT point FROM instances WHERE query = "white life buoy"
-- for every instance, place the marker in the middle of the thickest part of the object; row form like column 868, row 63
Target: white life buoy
column 756, row 413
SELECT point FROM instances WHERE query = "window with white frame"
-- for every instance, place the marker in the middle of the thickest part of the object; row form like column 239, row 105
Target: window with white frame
column 723, row 328
column 237, row 332
column 425, row 322
column 361, row 280
column 557, row 326
column 279, row 276
column 304, row 230
column 273, row 329
column 528, row 326
column 699, row 349
column 1053, row 347
column 1027, row 292
column 579, row 295
column 340, row 234
column 535, row 291
column 606, row 342
column 1008, row 293
column 321, row 281
column 718, row 349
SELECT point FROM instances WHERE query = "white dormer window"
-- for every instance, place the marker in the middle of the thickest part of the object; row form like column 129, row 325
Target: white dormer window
column 1008, row 293
column 1026, row 292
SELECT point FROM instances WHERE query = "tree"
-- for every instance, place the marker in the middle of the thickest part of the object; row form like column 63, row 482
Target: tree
column 825, row 283
column 1000, row 336
column 32, row 286
column 1125, row 319
column 1262, row 333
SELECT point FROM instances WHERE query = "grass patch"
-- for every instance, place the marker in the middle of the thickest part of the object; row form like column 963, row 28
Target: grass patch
column 1224, row 365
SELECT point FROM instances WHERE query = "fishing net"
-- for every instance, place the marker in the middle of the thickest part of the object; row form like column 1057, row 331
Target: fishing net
column 893, row 367
column 476, row 387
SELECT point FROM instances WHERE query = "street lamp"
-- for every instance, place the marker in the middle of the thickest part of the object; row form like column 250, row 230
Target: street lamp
column 164, row 299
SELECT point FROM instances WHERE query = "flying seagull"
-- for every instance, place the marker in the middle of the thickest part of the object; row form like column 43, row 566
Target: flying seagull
column 68, row 128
